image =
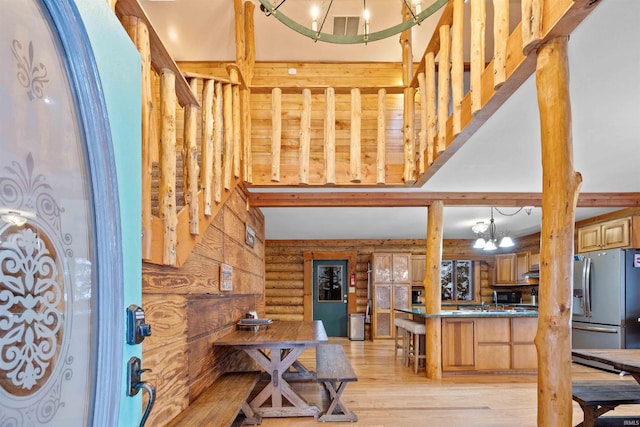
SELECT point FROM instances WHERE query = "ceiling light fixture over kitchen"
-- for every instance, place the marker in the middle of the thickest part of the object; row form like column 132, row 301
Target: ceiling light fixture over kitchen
column 488, row 235
column 310, row 23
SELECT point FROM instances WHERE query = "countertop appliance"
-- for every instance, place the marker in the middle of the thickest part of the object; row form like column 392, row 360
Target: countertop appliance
column 606, row 300
column 506, row 297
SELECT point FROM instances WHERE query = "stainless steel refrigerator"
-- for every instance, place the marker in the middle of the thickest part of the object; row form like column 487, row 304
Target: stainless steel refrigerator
column 606, row 299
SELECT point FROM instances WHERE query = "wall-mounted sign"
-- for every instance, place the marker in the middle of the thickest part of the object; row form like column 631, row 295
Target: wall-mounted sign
column 249, row 235
column 636, row 260
column 226, row 277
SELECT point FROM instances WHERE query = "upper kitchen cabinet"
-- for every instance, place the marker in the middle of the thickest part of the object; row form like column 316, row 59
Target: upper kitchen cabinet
column 511, row 267
column 605, row 235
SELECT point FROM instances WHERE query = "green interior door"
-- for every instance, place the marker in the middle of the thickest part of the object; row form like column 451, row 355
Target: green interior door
column 330, row 289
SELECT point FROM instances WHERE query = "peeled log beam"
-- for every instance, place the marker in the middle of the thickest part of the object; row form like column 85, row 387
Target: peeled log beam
column 191, row 170
column 227, row 101
column 500, row 37
column 531, row 24
column 305, row 138
column 276, row 133
column 457, row 64
column 422, row 145
column 139, row 34
column 381, row 139
column 432, row 288
column 206, row 179
column 167, row 192
column 218, row 140
column 478, row 18
column 355, row 167
column 560, row 188
column 330, row 136
column 443, row 88
column 430, row 75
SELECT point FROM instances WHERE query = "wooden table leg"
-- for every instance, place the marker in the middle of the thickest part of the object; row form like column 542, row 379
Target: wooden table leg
column 336, row 396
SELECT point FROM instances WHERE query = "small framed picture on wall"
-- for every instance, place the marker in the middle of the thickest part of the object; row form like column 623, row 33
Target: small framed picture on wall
column 249, row 235
column 226, row 277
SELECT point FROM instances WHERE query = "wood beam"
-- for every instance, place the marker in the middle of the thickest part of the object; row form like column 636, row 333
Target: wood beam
column 413, row 199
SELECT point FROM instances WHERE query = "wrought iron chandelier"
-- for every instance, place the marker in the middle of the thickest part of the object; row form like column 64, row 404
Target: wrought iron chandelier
column 317, row 18
column 488, row 235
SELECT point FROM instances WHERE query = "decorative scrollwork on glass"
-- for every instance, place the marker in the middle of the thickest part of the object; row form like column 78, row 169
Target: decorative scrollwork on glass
column 30, row 74
column 21, row 190
column 31, row 310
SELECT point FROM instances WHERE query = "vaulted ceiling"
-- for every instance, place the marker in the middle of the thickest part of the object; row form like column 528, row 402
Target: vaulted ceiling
column 503, row 156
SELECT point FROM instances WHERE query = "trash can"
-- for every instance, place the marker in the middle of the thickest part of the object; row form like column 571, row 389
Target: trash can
column 356, row 326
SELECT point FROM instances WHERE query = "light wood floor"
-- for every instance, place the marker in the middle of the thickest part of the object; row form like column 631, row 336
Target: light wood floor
column 389, row 395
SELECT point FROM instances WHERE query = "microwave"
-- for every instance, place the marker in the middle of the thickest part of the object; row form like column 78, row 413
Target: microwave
column 509, row 297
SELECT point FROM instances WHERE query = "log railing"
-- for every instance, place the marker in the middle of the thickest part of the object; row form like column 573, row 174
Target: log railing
column 209, row 146
column 215, row 144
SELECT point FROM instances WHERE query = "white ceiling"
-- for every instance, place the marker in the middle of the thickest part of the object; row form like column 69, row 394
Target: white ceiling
column 504, row 155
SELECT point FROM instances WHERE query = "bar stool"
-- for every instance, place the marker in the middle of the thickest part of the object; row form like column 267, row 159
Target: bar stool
column 400, row 339
column 416, row 332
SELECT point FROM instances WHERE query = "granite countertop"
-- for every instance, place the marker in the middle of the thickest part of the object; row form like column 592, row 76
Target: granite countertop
column 516, row 312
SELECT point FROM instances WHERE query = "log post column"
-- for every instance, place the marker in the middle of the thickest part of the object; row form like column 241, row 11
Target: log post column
column 560, row 188
column 432, row 289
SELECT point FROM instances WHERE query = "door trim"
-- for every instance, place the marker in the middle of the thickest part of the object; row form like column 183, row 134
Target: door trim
column 86, row 87
column 309, row 257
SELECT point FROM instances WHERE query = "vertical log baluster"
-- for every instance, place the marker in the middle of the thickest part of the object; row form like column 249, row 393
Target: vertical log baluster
column 305, row 138
column 531, row 24
column 167, row 194
column 430, row 76
column 236, row 113
column 206, row 179
column 422, row 160
column 381, row 151
column 190, row 156
column 443, row 87
column 500, row 37
column 218, row 142
column 408, row 135
column 356, row 123
column 478, row 22
column 330, row 136
column 457, row 64
column 139, row 34
column 227, row 99
column 276, row 132
column 245, row 102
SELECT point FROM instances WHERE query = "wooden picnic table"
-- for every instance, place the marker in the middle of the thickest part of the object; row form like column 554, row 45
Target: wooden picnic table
column 626, row 360
column 276, row 348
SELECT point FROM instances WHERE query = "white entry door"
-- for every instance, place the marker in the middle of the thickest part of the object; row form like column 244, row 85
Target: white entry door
column 61, row 269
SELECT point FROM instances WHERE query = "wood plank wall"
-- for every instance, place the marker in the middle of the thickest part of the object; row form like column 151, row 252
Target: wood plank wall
column 188, row 312
column 284, row 267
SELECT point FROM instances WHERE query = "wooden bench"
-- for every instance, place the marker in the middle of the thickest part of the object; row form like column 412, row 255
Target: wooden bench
column 220, row 404
column 334, row 370
column 599, row 397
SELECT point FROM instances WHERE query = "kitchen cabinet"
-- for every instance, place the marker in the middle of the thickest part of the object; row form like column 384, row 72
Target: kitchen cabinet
column 391, row 289
column 511, row 267
column 417, row 277
column 605, row 235
column 489, row 344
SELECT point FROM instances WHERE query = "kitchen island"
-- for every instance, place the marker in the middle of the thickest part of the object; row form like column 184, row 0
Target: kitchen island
column 485, row 341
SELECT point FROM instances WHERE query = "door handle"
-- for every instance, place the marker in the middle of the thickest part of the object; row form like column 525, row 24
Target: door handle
column 134, row 380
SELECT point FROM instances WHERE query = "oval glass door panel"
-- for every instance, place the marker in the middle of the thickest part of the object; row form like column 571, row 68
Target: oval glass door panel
column 47, row 316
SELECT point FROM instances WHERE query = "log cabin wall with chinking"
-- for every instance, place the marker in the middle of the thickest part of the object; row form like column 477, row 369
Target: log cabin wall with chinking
column 188, row 312
column 284, row 259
